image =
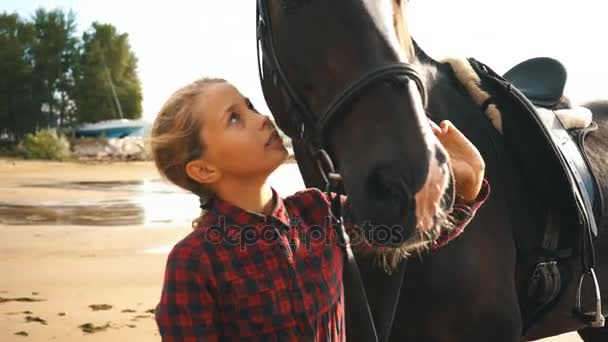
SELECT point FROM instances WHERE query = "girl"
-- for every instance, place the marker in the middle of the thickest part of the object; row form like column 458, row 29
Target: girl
column 257, row 266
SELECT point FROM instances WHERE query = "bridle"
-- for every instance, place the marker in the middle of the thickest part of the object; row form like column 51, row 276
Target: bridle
column 311, row 130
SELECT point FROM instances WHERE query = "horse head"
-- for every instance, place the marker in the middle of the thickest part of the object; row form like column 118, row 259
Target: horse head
column 395, row 172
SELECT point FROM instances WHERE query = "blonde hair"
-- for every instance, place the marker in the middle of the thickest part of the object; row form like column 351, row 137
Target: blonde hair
column 175, row 140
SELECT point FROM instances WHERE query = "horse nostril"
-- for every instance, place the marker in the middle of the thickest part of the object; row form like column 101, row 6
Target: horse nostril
column 385, row 181
column 392, row 209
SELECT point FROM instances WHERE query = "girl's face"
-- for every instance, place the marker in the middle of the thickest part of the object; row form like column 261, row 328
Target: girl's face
column 238, row 140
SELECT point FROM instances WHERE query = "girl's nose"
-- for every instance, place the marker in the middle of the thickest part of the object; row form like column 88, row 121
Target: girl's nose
column 265, row 122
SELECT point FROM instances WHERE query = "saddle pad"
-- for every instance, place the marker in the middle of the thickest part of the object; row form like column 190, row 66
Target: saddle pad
column 574, row 118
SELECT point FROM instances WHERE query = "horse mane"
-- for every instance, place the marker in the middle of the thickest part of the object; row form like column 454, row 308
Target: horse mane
column 421, row 55
column 449, row 100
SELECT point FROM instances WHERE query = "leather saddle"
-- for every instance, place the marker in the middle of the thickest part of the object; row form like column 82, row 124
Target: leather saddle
column 552, row 157
column 553, row 160
column 541, row 80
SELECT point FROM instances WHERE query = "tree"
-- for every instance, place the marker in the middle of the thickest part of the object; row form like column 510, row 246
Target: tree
column 107, row 66
column 54, row 51
column 18, row 109
column 49, row 77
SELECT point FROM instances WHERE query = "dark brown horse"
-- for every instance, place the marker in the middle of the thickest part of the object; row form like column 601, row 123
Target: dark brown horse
column 470, row 290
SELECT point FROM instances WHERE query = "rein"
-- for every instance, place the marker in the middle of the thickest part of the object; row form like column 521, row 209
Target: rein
column 311, row 130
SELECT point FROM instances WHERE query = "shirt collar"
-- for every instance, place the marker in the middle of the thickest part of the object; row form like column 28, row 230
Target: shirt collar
column 239, row 216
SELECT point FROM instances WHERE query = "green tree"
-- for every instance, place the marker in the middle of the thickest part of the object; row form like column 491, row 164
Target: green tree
column 18, row 109
column 107, row 66
column 55, row 50
column 50, row 77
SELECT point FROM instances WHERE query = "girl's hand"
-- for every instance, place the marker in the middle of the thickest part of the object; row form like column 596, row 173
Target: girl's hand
column 467, row 164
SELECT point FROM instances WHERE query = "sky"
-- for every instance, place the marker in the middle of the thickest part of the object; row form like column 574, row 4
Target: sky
column 178, row 41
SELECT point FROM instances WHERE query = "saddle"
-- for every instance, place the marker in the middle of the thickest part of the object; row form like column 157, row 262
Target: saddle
column 541, row 80
column 522, row 105
column 553, row 151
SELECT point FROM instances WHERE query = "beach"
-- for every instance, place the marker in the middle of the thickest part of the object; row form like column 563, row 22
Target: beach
column 70, row 267
column 83, row 248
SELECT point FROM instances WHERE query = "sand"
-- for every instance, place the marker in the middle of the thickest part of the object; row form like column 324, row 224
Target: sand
column 70, row 267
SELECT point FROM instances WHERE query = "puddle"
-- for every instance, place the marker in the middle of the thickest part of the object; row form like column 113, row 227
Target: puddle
column 146, row 202
column 153, row 185
column 87, row 215
column 150, row 202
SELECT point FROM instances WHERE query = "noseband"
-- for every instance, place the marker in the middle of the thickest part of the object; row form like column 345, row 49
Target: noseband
column 310, row 128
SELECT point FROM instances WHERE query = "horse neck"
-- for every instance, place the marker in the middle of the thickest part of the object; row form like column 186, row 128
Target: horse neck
column 510, row 200
column 448, row 100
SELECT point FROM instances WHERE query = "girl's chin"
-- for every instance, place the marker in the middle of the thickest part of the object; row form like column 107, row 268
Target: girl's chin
column 281, row 149
column 284, row 155
column 281, row 157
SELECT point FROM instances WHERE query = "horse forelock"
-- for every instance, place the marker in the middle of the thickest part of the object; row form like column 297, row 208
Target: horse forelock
column 384, row 14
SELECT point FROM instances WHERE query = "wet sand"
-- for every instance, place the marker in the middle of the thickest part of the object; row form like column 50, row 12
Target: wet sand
column 73, row 266
column 54, row 269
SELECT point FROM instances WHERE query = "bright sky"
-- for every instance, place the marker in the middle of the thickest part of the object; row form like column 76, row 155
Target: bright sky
column 180, row 40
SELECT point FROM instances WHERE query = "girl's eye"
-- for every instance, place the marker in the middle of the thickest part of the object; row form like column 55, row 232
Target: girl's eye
column 234, row 118
column 250, row 106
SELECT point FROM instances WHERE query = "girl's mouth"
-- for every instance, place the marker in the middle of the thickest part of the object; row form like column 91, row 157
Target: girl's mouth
column 274, row 137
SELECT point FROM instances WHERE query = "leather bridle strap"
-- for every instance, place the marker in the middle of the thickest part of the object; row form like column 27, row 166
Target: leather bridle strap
column 387, row 71
column 362, row 327
column 311, row 130
column 266, row 44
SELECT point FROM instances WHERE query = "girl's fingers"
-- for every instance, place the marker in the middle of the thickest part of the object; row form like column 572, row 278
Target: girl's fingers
column 446, row 125
column 435, row 128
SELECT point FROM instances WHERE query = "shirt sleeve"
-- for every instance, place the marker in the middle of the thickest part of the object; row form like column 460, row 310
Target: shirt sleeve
column 187, row 310
column 462, row 213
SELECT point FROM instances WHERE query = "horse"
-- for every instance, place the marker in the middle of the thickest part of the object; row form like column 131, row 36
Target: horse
column 369, row 119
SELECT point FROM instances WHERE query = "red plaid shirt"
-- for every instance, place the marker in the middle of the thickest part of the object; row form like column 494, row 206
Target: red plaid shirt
column 246, row 276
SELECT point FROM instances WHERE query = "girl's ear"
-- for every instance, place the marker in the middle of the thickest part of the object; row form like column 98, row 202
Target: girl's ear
column 202, row 171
